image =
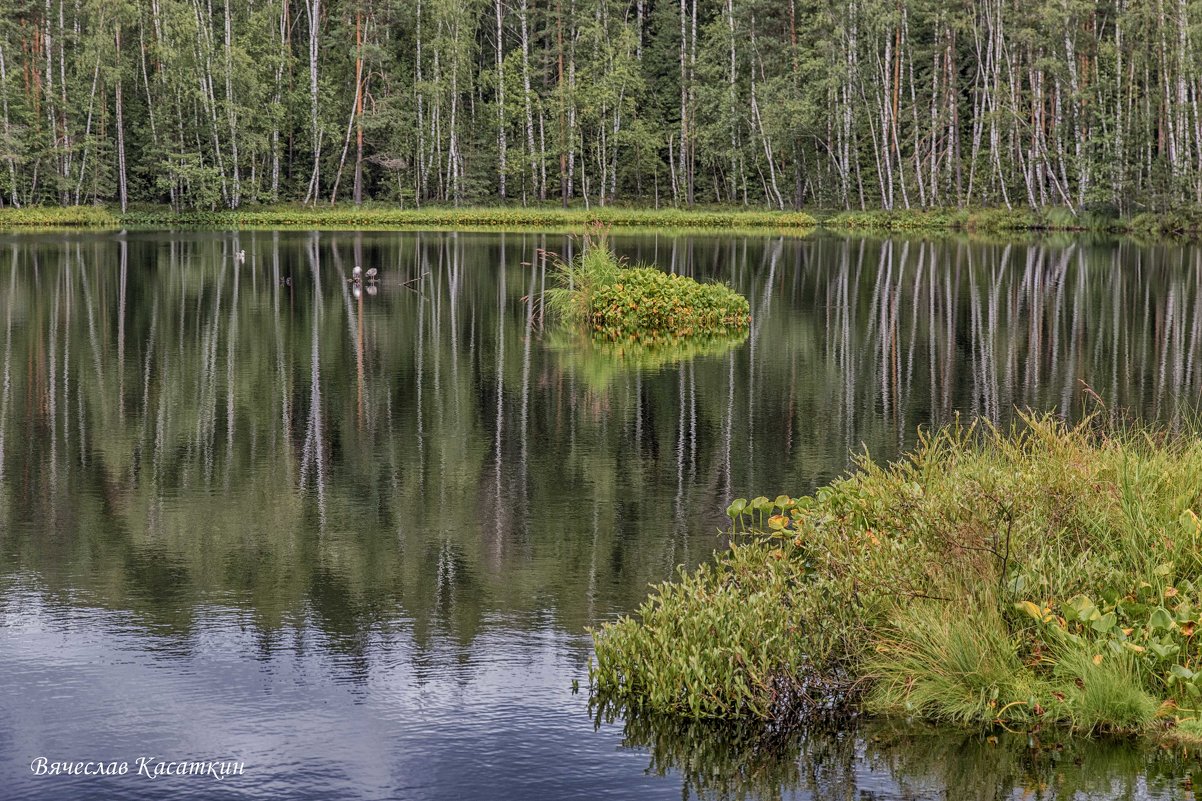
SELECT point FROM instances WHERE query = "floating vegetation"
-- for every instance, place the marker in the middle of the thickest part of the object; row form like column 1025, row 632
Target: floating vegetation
column 1044, row 577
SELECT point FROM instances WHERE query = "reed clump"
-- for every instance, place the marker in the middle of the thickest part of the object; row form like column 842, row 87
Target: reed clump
column 1046, row 576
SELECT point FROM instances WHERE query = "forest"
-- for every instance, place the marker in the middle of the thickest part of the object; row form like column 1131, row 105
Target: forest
column 863, row 104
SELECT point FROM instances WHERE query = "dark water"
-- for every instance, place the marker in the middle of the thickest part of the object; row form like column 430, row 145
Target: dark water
column 353, row 541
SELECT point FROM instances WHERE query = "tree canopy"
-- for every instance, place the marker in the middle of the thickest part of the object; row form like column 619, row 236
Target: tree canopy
column 779, row 103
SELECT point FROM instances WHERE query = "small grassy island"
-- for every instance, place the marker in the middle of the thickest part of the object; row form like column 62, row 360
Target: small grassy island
column 1044, row 577
column 642, row 306
column 617, row 317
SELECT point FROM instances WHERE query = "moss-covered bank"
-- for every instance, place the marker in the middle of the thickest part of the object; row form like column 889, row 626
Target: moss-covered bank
column 1048, row 576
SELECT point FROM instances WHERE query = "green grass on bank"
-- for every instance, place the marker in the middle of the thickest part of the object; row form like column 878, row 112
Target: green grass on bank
column 59, row 217
column 1099, row 218
column 1185, row 222
column 1048, row 576
column 534, row 217
column 376, row 216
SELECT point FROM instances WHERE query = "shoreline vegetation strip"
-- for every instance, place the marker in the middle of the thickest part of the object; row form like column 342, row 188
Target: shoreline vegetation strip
column 1045, row 577
column 392, row 217
column 1182, row 223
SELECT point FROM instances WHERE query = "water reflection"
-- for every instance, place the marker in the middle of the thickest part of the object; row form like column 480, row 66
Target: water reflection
column 197, row 443
column 877, row 760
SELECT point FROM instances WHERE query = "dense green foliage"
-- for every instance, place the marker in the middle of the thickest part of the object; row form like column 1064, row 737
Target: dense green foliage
column 646, row 304
column 1083, row 104
column 1044, row 576
column 1183, row 222
column 643, row 306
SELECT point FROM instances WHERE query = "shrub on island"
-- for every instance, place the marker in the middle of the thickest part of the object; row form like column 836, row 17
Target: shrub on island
column 618, row 303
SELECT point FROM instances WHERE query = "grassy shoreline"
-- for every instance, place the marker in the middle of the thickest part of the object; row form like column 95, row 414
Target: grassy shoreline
column 388, row 217
column 1185, row 223
column 1039, row 579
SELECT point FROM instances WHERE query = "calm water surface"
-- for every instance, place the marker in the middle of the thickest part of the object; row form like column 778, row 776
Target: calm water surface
column 354, row 540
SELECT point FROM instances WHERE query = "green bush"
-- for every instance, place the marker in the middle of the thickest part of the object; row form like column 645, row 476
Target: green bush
column 717, row 643
column 1182, row 221
column 1041, row 575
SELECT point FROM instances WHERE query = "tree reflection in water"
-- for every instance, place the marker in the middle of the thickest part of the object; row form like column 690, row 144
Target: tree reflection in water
column 181, row 429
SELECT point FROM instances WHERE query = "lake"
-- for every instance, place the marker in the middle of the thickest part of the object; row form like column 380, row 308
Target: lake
column 352, row 538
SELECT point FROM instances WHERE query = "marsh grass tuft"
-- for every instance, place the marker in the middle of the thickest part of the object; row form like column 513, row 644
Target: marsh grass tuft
column 1045, row 575
column 959, row 669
